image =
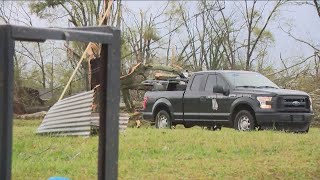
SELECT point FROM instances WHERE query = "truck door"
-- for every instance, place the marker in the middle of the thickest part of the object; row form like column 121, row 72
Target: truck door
column 211, row 110
column 200, row 102
column 191, row 100
column 223, row 101
column 214, row 106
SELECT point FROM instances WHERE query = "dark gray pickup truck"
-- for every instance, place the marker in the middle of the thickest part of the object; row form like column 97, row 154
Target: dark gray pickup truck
column 242, row 100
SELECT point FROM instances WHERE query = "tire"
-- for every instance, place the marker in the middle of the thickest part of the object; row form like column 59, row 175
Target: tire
column 187, row 126
column 163, row 120
column 306, row 131
column 244, row 121
column 303, row 132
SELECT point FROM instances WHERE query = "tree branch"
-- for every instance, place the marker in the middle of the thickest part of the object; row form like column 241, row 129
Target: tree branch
column 317, row 7
column 291, row 66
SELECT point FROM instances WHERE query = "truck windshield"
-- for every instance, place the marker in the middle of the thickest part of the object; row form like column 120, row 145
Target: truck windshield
column 249, row 80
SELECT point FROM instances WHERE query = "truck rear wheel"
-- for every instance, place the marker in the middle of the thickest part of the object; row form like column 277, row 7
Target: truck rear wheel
column 244, row 121
column 163, row 120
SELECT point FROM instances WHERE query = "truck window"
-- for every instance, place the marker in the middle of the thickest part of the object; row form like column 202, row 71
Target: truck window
column 222, row 82
column 211, row 81
column 195, row 86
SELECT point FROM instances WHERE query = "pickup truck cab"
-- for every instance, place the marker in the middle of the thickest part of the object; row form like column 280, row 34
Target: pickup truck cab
column 242, row 100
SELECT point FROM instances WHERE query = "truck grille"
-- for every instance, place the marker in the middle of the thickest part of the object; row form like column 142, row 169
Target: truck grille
column 294, row 104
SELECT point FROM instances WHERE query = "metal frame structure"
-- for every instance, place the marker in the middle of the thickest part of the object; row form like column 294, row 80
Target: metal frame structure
column 110, row 88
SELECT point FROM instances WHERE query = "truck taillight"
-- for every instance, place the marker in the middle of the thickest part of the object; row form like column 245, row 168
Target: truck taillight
column 145, row 100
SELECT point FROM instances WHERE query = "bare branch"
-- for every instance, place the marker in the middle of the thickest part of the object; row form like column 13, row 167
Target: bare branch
column 301, row 62
column 317, row 7
column 300, row 40
column 284, row 64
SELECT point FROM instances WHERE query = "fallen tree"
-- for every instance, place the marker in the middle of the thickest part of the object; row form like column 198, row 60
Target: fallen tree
column 38, row 115
column 137, row 74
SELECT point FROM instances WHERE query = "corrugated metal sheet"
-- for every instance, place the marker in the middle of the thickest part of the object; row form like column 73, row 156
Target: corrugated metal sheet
column 123, row 120
column 73, row 116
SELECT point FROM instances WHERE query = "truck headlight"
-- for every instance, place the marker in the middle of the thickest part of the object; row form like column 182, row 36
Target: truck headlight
column 265, row 102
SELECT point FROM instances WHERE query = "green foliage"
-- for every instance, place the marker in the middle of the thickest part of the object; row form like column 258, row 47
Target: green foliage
column 255, row 15
column 174, row 11
column 266, row 35
column 170, row 154
column 40, row 7
column 32, row 78
column 80, row 13
column 268, row 70
column 125, row 47
column 150, row 33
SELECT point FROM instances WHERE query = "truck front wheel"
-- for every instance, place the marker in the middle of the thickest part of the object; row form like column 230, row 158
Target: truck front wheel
column 163, row 120
column 244, row 121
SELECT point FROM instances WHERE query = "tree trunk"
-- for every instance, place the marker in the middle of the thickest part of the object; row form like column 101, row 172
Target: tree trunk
column 119, row 14
column 127, row 100
column 42, row 67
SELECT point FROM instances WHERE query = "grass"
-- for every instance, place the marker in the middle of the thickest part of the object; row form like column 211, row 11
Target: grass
column 149, row 153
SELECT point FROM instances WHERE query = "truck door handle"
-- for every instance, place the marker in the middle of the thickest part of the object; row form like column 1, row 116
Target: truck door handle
column 203, row 98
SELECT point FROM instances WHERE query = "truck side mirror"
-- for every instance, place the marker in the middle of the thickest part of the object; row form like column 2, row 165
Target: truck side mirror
column 220, row 89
